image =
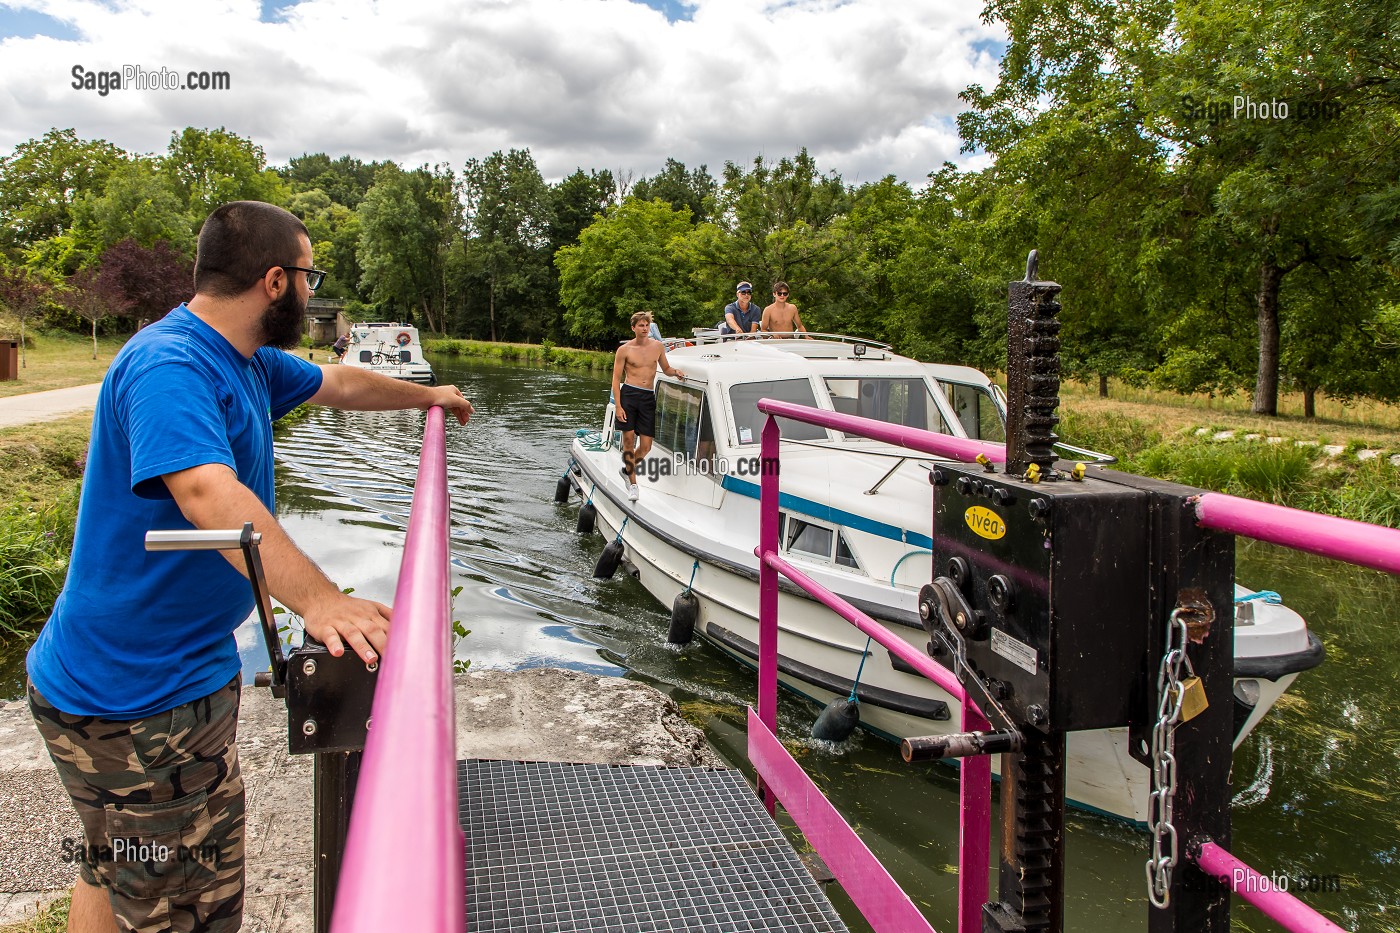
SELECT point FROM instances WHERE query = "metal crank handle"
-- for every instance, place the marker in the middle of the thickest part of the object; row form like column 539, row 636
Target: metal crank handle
column 246, row 540
column 959, row 745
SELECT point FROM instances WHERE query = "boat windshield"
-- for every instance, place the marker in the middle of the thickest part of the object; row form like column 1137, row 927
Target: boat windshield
column 977, row 411
column 683, row 422
column 905, row 401
column 748, row 420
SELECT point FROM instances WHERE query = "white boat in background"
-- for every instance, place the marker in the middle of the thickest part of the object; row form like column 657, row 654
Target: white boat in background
column 389, row 349
column 857, row 517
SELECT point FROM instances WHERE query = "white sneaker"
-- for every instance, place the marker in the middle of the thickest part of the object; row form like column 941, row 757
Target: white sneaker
column 632, row 491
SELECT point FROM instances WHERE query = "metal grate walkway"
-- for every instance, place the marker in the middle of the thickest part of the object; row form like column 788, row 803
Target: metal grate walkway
column 555, row 847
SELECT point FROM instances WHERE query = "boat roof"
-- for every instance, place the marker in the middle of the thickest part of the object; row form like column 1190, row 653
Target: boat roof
column 750, row 358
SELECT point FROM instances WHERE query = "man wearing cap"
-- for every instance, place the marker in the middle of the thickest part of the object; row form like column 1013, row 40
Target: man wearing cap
column 742, row 316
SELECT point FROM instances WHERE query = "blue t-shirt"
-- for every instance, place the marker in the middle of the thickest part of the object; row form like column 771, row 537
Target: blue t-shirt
column 136, row 633
column 746, row 319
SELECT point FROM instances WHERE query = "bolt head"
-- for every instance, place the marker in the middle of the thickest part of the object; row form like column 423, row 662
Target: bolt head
column 308, row 667
column 308, row 727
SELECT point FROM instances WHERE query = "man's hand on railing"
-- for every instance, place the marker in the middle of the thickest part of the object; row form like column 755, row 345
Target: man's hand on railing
column 450, row 399
column 342, row 620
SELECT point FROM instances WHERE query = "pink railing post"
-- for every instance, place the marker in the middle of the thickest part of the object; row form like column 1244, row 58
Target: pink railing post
column 768, row 589
column 1259, row 890
column 878, row 896
column 404, row 856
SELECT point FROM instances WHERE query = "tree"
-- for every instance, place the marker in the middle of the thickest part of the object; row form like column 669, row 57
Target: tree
column 1193, row 92
column 507, row 247
column 693, row 190
column 774, row 222
column 628, row 261
column 409, row 225
column 24, row 294
column 334, row 230
column 40, row 181
column 93, row 297
column 345, row 180
column 145, row 282
column 574, row 203
column 212, row 167
column 137, row 203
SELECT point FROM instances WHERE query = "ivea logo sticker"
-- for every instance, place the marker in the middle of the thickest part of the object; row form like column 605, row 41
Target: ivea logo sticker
column 985, row 522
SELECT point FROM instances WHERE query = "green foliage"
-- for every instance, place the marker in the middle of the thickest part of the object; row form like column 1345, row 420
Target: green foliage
column 1279, row 473
column 211, row 167
column 629, row 260
column 1124, row 438
column 39, row 182
column 408, row 227
column 692, row 190
column 775, row 221
column 139, row 202
column 35, row 542
column 507, row 256
column 1100, row 117
column 542, row 355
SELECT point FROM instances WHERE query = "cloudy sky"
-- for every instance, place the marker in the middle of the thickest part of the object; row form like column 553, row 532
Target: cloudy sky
column 868, row 86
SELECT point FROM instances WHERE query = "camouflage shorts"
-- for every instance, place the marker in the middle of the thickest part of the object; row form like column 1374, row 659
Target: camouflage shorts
column 161, row 802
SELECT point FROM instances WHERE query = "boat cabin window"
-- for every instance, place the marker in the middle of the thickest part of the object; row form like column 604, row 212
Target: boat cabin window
column 904, row 401
column 366, row 356
column 683, row 423
column 405, row 356
column 977, row 411
column 798, row 535
column 748, row 420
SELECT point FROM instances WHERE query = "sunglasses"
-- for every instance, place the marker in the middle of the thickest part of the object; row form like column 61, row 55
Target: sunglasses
column 781, row 294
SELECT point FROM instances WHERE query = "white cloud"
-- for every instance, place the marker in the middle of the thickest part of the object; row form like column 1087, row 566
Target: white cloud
column 868, row 86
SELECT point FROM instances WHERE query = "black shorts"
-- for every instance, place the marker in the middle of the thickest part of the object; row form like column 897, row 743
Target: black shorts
column 640, row 408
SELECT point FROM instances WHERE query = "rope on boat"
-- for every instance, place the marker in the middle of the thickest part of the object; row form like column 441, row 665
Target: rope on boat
column 591, row 440
column 625, row 520
column 895, row 570
column 590, row 494
column 694, row 568
column 856, row 683
column 1268, row 596
column 568, row 468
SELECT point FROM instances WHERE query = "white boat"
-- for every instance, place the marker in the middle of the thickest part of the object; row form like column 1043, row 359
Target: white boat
column 389, row 349
column 857, row 517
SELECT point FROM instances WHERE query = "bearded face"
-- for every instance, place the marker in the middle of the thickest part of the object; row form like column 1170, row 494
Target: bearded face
column 283, row 321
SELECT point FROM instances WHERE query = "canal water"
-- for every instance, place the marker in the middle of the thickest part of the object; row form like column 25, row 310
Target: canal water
column 1317, row 785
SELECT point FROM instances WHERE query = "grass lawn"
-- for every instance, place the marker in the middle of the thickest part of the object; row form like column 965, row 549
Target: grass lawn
column 40, row 462
column 59, row 360
column 1373, row 424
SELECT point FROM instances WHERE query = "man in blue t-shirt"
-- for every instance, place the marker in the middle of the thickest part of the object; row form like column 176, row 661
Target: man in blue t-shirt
column 134, row 679
column 741, row 316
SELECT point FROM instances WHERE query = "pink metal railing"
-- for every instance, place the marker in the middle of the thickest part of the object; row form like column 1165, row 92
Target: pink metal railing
column 1259, row 890
column 1338, row 538
column 880, row 899
column 1341, row 539
column 403, row 867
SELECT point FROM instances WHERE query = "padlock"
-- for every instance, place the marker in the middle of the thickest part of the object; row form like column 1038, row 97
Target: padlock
column 1193, row 698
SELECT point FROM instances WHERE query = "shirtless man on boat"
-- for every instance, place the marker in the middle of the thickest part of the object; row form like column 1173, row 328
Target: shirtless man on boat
column 634, row 389
column 781, row 317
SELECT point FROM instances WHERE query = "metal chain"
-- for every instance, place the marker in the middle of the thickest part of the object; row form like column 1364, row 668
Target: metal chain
column 1159, row 802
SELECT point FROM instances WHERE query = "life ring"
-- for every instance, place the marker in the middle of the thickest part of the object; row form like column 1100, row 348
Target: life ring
column 404, row 338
